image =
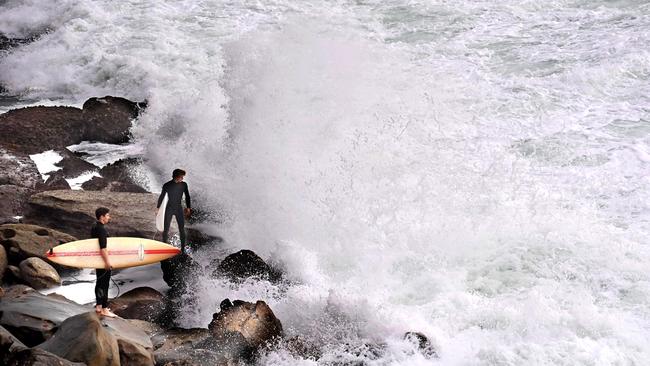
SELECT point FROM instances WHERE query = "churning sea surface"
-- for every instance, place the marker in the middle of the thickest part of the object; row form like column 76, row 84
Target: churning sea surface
column 473, row 170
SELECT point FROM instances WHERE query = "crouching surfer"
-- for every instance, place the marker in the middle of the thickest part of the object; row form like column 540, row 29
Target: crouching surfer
column 103, row 275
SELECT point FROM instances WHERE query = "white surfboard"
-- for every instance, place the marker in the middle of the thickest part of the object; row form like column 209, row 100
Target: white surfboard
column 160, row 217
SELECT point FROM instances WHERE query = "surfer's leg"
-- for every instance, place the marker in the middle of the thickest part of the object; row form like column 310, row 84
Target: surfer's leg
column 167, row 223
column 99, row 288
column 180, row 220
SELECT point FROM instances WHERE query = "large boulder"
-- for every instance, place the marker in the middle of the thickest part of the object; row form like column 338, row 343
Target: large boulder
column 241, row 327
column 244, row 264
column 142, row 303
column 74, row 211
column 84, row 338
column 33, row 317
column 33, row 130
column 13, row 201
column 18, row 169
column 178, row 346
column 24, row 241
column 38, row 274
column 134, row 344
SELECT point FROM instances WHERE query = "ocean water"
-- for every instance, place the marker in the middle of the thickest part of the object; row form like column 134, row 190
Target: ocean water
column 473, row 170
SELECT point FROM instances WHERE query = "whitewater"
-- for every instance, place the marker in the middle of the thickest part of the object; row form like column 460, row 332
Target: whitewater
column 472, row 170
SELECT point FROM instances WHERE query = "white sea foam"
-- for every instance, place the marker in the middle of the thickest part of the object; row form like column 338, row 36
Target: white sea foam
column 46, row 162
column 75, row 183
column 102, row 154
column 475, row 171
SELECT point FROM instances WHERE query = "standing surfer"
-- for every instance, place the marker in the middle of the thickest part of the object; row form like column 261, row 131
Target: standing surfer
column 103, row 275
column 175, row 189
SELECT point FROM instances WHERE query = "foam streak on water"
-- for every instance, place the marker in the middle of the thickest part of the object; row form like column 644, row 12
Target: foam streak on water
column 472, row 170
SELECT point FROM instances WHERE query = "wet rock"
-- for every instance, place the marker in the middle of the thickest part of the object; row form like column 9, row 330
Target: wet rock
column 115, row 178
column 72, row 165
column 192, row 357
column 241, row 328
column 37, row 357
column 74, row 211
column 175, row 338
column 55, row 180
column 33, row 130
column 24, row 241
column 18, row 169
column 4, row 262
column 142, row 303
column 178, row 272
column 422, row 343
column 13, row 200
column 38, row 274
column 84, row 338
column 134, row 344
column 33, row 317
column 300, row 347
column 244, row 264
column 111, row 118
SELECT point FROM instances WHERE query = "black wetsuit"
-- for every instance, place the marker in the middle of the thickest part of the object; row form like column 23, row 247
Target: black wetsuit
column 103, row 276
column 175, row 193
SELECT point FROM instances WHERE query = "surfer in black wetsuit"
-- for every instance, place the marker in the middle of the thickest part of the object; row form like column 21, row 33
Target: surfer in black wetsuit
column 175, row 189
column 103, row 275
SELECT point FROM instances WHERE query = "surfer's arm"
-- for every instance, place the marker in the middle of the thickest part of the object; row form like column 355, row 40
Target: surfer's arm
column 188, row 202
column 162, row 196
column 104, row 254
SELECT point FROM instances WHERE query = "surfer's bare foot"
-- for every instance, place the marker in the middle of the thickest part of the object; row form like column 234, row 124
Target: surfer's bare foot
column 98, row 309
column 108, row 313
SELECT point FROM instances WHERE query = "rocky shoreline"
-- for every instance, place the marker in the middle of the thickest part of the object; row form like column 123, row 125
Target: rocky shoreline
column 38, row 329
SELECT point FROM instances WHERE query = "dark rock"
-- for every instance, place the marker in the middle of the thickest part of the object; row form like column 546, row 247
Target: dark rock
column 8, row 43
column 422, row 343
column 74, row 211
column 142, row 303
column 33, row 317
column 8, row 343
column 25, row 241
column 12, row 275
column 72, row 165
column 56, row 180
column 38, row 274
column 245, row 327
column 33, row 130
column 177, row 271
column 115, row 177
column 18, row 169
column 244, row 264
column 198, row 238
column 13, row 200
column 84, row 338
column 4, row 262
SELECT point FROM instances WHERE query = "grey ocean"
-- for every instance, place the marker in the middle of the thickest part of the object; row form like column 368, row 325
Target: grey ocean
column 474, row 170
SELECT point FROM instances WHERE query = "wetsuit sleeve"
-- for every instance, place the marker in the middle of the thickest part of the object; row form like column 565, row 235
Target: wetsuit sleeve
column 102, row 236
column 162, row 195
column 188, row 202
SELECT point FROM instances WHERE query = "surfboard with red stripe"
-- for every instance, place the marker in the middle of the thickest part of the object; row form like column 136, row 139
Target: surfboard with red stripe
column 123, row 252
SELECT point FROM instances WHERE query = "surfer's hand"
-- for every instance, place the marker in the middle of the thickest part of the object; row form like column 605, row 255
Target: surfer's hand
column 187, row 212
column 107, row 266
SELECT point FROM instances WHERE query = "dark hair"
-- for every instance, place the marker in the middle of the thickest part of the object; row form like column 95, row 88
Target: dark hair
column 177, row 173
column 101, row 212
